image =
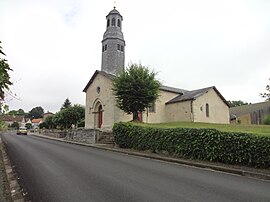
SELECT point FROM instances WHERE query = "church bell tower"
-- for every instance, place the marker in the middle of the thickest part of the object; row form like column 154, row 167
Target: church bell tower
column 113, row 44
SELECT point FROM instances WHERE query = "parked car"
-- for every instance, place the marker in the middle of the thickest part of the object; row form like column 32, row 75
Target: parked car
column 22, row 131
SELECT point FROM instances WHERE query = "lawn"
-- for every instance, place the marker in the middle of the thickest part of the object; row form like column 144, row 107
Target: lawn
column 253, row 129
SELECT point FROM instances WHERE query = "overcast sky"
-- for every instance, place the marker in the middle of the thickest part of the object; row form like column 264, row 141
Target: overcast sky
column 54, row 46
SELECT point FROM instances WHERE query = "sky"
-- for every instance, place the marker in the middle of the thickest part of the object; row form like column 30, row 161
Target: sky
column 54, row 46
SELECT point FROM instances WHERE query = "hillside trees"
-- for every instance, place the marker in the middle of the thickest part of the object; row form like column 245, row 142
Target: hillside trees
column 237, row 103
column 267, row 93
column 17, row 112
column 135, row 89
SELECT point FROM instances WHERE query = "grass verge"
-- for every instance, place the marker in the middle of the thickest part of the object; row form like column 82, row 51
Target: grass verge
column 263, row 130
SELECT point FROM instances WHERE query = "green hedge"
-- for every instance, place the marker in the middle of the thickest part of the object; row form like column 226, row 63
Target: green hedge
column 202, row 144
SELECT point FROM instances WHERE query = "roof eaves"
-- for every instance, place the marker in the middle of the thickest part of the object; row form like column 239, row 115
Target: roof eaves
column 90, row 81
column 175, row 101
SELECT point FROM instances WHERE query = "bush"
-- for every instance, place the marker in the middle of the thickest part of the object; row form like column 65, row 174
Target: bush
column 202, row 144
column 266, row 121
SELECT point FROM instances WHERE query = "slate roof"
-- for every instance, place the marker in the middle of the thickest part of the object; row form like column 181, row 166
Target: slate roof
column 114, row 11
column 173, row 90
column 192, row 95
column 247, row 109
column 109, row 76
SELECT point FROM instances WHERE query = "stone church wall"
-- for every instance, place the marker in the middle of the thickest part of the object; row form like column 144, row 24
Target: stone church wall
column 218, row 110
column 180, row 111
column 159, row 115
column 105, row 97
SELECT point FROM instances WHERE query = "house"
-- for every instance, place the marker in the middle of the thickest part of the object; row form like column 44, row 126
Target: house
column 36, row 122
column 47, row 114
column 174, row 104
column 251, row 113
column 9, row 119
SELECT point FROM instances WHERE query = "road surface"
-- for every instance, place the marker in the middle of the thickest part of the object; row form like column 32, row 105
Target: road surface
column 55, row 171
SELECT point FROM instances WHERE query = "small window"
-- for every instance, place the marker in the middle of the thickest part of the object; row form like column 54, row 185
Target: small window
column 207, row 109
column 105, row 47
column 152, row 107
column 113, row 22
column 98, row 90
column 118, row 47
column 118, row 23
column 108, row 22
column 122, row 48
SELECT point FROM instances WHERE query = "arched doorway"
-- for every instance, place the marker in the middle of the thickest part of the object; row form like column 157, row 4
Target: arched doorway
column 100, row 116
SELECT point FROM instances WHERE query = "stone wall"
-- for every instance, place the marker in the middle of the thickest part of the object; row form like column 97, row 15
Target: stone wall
column 53, row 133
column 90, row 136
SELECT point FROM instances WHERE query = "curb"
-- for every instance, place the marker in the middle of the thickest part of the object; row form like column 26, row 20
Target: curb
column 15, row 189
column 168, row 159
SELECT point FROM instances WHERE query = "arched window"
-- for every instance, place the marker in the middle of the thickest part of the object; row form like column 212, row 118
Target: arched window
column 118, row 23
column 207, row 109
column 108, row 22
column 113, row 22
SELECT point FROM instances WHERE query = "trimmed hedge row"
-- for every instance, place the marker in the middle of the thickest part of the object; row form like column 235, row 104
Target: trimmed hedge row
column 202, row 144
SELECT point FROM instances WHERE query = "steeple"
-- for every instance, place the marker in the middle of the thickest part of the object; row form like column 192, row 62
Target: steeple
column 113, row 44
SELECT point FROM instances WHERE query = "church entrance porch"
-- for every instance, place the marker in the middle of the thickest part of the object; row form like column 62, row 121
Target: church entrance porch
column 98, row 115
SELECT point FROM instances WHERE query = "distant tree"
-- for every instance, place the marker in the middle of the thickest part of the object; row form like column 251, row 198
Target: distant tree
column 35, row 113
column 135, row 89
column 5, row 82
column 237, row 103
column 58, row 120
column 66, row 104
column 28, row 125
column 48, row 123
column 67, row 117
column 267, row 93
column 17, row 112
column 15, row 125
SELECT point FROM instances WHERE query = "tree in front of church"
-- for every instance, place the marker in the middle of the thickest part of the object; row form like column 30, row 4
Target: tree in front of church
column 135, row 89
column 267, row 93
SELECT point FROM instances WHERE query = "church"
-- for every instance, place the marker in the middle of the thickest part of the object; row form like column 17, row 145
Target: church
column 174, row 104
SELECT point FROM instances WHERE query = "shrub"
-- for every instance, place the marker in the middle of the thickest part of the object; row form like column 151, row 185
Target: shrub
column 202, row 144
column 266, row 121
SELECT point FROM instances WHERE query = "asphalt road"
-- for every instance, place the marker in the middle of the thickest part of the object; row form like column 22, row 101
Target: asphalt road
column 55, row 171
